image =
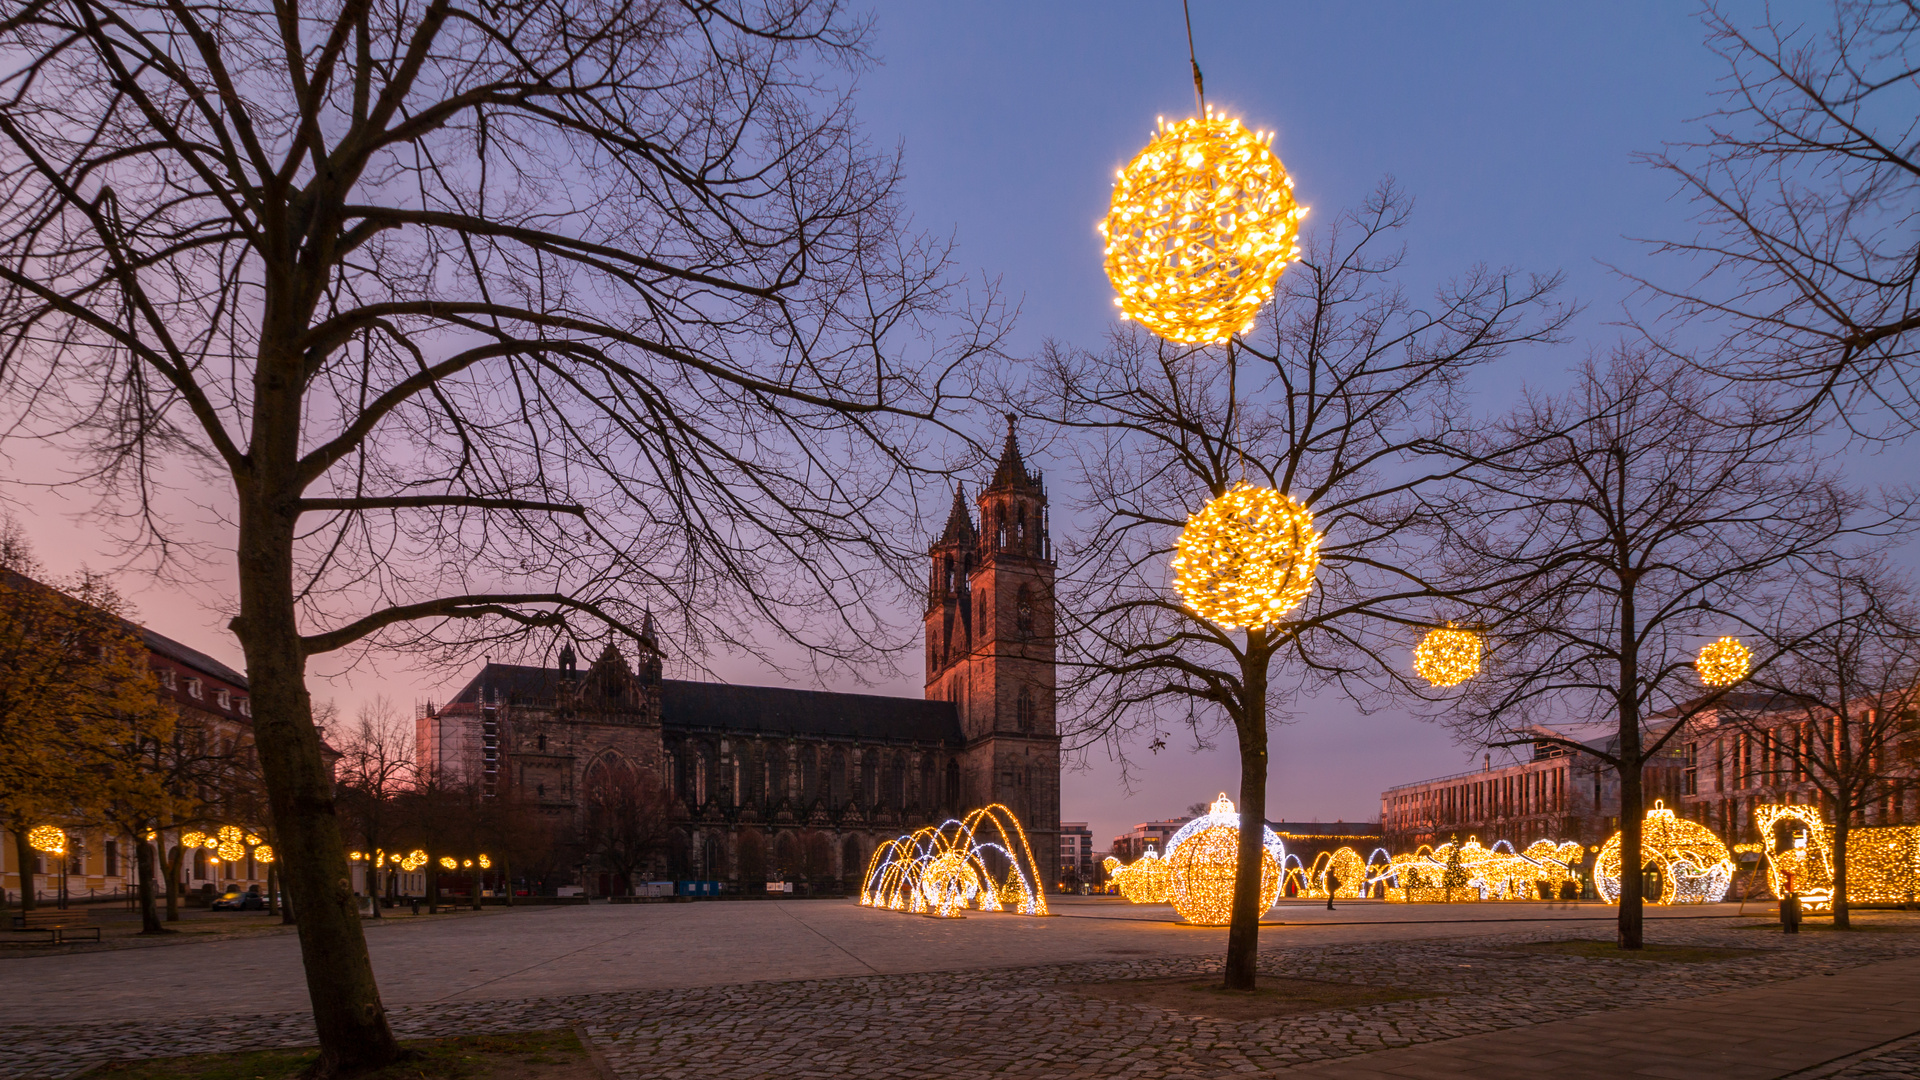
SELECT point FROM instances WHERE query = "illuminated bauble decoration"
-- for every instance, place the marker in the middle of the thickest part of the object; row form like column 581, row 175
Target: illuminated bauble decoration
column 448, row 862
column 949, row 884
column 252, row 839
column 415, row 860
column 263, row 854
column 229, row 846
column 50, row 839
column 1201, row 860
column 1724, row 662
column 1146, row 880
column 1202, row 224
column 486, row 863
column 193, row 838
column 1247, row 558
column 1694, row 866
column 1447, row 656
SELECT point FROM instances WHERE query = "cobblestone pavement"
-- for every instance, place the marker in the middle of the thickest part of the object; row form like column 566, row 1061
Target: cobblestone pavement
column 1898, row 1063
column 1021, row 1021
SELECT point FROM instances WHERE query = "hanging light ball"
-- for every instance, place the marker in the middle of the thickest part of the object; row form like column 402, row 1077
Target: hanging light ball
column 1447, row 656
column 263, row 854
column 415, row 860
column 1723, row 662
column 230, row 848
column 50, row 839
column 1247, row 558
column 448, row 862
column 1202, row 223
column 486, row 863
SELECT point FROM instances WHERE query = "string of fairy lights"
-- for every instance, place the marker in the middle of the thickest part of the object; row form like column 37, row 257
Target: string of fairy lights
column 946, row 869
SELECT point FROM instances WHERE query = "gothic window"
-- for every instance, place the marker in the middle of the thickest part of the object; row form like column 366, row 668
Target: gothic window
column 809, row 775
column 929, row 795
column 953, row 784
column 838, row 777
column 776, row 774
column 543, row 742
column 869, row 779
column 1023, row 612
column 1023, row 709
column 716, row 857
column 897, row 782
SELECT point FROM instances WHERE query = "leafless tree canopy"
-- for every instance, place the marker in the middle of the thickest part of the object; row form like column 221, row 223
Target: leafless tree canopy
column 585, row 301
column 1807, row 182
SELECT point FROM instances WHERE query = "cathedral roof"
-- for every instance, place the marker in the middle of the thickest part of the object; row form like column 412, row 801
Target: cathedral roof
column 749, row 710
column 1012, row 471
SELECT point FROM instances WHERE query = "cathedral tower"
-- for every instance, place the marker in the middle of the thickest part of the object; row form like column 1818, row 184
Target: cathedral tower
column 990, row 649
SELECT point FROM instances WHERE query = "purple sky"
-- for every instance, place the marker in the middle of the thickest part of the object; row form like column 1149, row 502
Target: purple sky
column 1512, row 124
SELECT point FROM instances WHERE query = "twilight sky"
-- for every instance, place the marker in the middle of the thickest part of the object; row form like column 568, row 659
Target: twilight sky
column 1513, row 125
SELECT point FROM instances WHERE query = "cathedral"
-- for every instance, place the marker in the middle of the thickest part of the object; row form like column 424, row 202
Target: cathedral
column 771, row 783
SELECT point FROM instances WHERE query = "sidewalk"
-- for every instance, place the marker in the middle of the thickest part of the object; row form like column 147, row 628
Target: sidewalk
column 1759, row 1033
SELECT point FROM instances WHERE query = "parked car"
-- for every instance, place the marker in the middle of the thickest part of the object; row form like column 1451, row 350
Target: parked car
column 235, row 900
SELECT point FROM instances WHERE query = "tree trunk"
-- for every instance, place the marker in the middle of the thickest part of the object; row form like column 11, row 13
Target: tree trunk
column 1842, row 826
column 273, row 888
column 349, row 1020
column 506, row 881
column 23, row 854
column 143, row 861
column 1632, row 881
column 173, row 882
column 1243, row 932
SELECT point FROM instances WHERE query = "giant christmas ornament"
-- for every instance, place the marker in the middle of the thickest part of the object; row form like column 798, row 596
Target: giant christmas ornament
column 1723, row 662
column 1202, row 859
column 1202, row 224
column 1247, row 558
column 1447, row 656
column 1688, row 862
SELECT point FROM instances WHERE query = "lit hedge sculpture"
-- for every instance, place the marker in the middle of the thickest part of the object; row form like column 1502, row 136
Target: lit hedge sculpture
column 1447, row 656
column 47, row 839
column 1202, row 224
column 1695, row 867
column 1468, row 872
column 1723, row 662
column 1246, row 558
column 1883, row 861
column 941, row 870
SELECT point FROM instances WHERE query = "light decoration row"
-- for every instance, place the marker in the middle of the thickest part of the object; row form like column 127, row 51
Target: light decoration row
column 1202, row 223
column 417, row 858
column 47, row 839
column 943, row 870
column 1246, row 559
column 229, row 844
column 1723, row 662
column 1883, row 861
column 1469, row 872
column 1695, row 866
column 1447, row 656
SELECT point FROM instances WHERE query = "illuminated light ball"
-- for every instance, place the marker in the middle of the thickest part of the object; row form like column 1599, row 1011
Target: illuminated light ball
column 51, row 839
column 193, row 838
column 415, row 860
column 252, row 839
column 466, row 864
column 486, row 863
column 230, row 848
column 448, row 862
column 151, row 836
column 949, row 883
column 1202, row 224
column 1203, row 871
column 263, row 854
column 1246, row 558
column 355, row 856
column 1723, row 662
column 1447, row 656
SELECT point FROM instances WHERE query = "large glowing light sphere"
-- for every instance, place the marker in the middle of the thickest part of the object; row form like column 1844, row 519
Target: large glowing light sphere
column 1247, row 558
column 1447, row 656
column 50, row 839
column 1203, row 869
column 230, row 848
column 1693, row 866
column 1202, row 224
column 1723, row 662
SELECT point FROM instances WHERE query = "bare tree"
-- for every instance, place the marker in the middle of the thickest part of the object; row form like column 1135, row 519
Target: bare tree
column 470, row 320
column 1629, row 521
column 1837, row 709
column 376, row 764
column 1806, row 179
column 1339, row 399
column 629, row 818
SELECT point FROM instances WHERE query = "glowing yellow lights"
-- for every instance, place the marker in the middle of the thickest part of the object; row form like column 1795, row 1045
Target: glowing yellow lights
column 1723, row 662
column 941, row 870
column 1247, row 558
column 355, row 856
column 1203, row 868
column 486, row 863
column 50, row 839
column 151, row 836
column 229, row 845
column 1685, row 861
column 1883, row 861
column 194, row 838
column 1146, row 880
column 1468, row 872
column 1202, row 224
column 263, row 854
column 252, row 839
column 1447, row 656
column 448, row 862
column 415, row 860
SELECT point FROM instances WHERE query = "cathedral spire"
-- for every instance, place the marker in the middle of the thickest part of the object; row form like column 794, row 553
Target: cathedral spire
column 959, row 521
column 1012, row 473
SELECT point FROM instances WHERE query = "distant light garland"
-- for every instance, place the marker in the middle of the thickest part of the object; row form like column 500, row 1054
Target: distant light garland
column 1469, row 872
column 1202, row 223
column 1447, row 656
column 1723, row 662
column 47, row 839
column 1247, row 558
column 1695, row 866
column 1883, row 861
column 940, row 870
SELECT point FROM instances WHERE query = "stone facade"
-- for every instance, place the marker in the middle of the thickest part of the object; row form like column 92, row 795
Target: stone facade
column 769, row 783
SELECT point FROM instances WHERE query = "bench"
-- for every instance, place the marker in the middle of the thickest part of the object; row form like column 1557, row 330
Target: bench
column 59, row 926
